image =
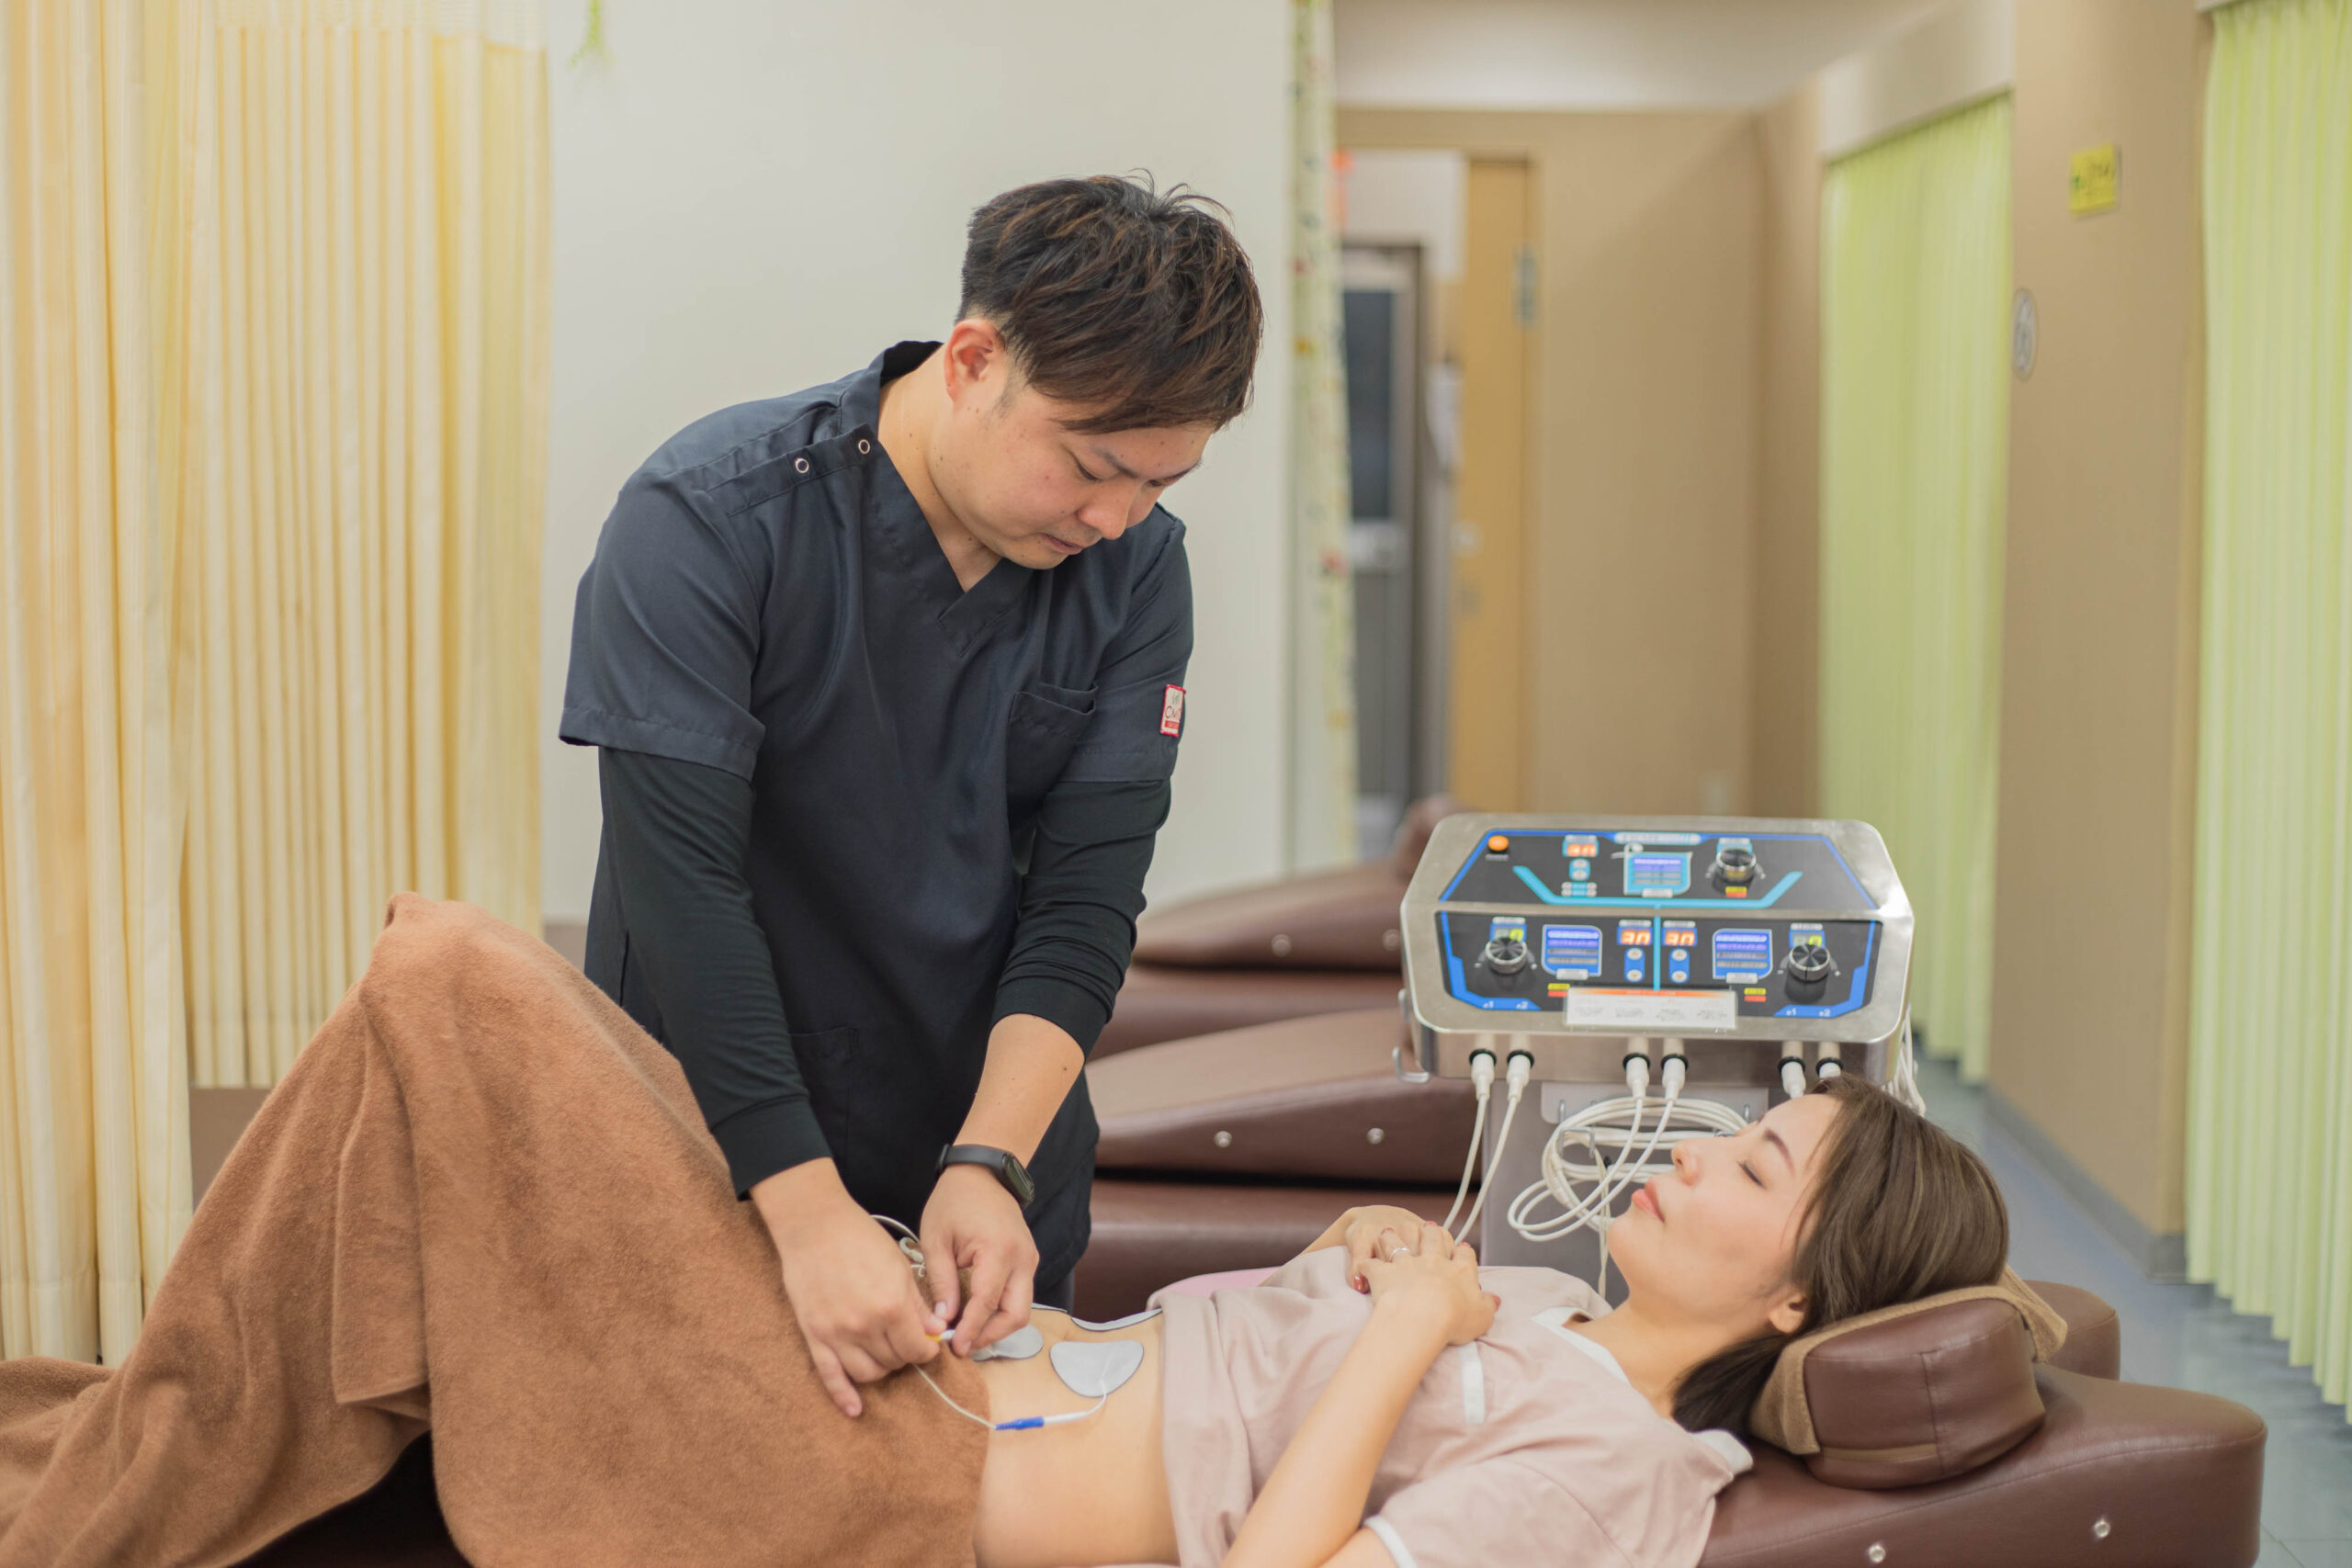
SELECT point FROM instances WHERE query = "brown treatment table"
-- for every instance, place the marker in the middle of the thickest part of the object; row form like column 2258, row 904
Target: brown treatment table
column 1326, row 942
column 1232, row 1150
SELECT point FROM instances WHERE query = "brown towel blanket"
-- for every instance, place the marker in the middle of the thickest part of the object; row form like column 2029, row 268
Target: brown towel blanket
column 484, row 1202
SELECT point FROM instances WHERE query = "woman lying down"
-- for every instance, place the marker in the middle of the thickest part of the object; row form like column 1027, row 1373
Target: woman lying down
column 1382, row 1399
column 485, row 1204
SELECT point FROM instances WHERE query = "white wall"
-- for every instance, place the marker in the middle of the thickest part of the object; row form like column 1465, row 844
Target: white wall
column 1596, row 54
column 753, row 196
column 1392, row 194
column 1965, row 52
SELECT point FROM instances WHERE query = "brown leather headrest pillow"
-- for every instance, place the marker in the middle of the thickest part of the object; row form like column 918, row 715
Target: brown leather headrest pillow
column 1912, row 1393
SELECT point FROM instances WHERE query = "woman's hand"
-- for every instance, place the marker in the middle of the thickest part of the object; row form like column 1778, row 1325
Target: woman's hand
column 1425, row 1296
column 1434, row 1275
column 1358, row 1230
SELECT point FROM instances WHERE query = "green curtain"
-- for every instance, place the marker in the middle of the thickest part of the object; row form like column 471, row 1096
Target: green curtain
column 1915, row 380
column 2269, row 1181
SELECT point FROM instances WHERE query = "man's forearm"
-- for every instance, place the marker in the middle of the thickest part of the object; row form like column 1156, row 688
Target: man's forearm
column 1079, row 903
column 1031, row 1065
column 678, row 833
column 799, row 1196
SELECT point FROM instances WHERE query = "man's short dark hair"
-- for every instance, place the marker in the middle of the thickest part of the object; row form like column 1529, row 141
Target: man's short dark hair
column 1136, row 303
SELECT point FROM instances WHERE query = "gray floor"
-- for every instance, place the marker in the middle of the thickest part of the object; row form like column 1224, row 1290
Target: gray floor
column 2183, row 1336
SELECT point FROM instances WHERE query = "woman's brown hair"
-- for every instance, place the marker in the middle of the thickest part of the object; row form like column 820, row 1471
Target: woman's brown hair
column 1899, row 1208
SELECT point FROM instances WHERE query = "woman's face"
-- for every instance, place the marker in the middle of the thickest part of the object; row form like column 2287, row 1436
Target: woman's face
column 1712, row 1242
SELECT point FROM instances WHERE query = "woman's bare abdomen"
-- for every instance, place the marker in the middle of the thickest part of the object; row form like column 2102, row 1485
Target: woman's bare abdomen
column 1091, row 1492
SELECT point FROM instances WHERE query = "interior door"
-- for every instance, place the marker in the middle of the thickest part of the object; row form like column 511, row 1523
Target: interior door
column 1487, row 674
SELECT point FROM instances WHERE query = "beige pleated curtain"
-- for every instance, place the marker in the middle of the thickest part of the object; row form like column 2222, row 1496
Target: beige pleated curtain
column 93, row 1085
column 366, row 412
column 273, row 366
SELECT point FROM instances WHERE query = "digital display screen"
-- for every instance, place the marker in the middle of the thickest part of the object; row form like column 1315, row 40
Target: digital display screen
column 1573, row 952
column 1681, row 933
column 1656, row 876
column 1743, row 956
column 1632, row 933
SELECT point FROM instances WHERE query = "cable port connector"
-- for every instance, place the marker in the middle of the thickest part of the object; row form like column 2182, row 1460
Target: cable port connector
column 1637, row 1075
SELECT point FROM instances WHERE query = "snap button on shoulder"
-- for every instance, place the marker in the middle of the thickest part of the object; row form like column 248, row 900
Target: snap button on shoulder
column 801, row 463
column 864, row 447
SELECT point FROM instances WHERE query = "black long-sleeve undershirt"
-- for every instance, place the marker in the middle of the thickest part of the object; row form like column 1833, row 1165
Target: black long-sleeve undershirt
column 680, row 834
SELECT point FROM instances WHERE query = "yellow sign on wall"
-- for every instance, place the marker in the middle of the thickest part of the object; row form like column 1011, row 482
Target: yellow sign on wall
column 2090, row 187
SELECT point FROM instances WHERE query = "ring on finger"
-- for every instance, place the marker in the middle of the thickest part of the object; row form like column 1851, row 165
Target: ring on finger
column 1397, row 1252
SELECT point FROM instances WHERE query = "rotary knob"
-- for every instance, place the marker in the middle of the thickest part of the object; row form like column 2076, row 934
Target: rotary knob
column 1809, row 969
column 1507, row 955
column 1734, row 865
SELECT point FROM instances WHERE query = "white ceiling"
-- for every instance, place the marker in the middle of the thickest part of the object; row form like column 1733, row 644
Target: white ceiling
column 1589, row 54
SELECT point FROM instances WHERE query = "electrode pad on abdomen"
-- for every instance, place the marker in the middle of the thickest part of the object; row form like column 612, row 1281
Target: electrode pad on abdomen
column 1095, row 1369
column 1018, row 1346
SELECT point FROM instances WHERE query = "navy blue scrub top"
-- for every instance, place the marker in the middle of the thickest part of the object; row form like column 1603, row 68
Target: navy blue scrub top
column 768, row 599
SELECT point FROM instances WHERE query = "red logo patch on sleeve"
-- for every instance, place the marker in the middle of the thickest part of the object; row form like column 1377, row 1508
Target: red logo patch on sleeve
column 1171, row 712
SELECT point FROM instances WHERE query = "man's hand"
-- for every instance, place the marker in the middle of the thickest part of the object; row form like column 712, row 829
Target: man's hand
column 849, row 1283
column 973, row 1223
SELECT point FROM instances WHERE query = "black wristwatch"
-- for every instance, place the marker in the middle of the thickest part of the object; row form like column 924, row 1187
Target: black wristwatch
column 1007, row 1170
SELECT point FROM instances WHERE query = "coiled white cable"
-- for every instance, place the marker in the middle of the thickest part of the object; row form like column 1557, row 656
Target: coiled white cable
column 1612, row 1126
column 1608, row 1178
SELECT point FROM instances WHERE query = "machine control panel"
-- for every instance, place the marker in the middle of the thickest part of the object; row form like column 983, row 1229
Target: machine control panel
column 1658, row 911
column 1563, row 868
column 1789, row 969
column 1722, row 928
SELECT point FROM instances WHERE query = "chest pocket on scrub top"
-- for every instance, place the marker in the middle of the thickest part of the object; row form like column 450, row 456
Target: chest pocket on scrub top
column 1039, row 735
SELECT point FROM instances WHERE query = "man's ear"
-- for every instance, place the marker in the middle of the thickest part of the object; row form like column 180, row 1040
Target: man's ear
column 1788, row 1311
column 976, row 357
